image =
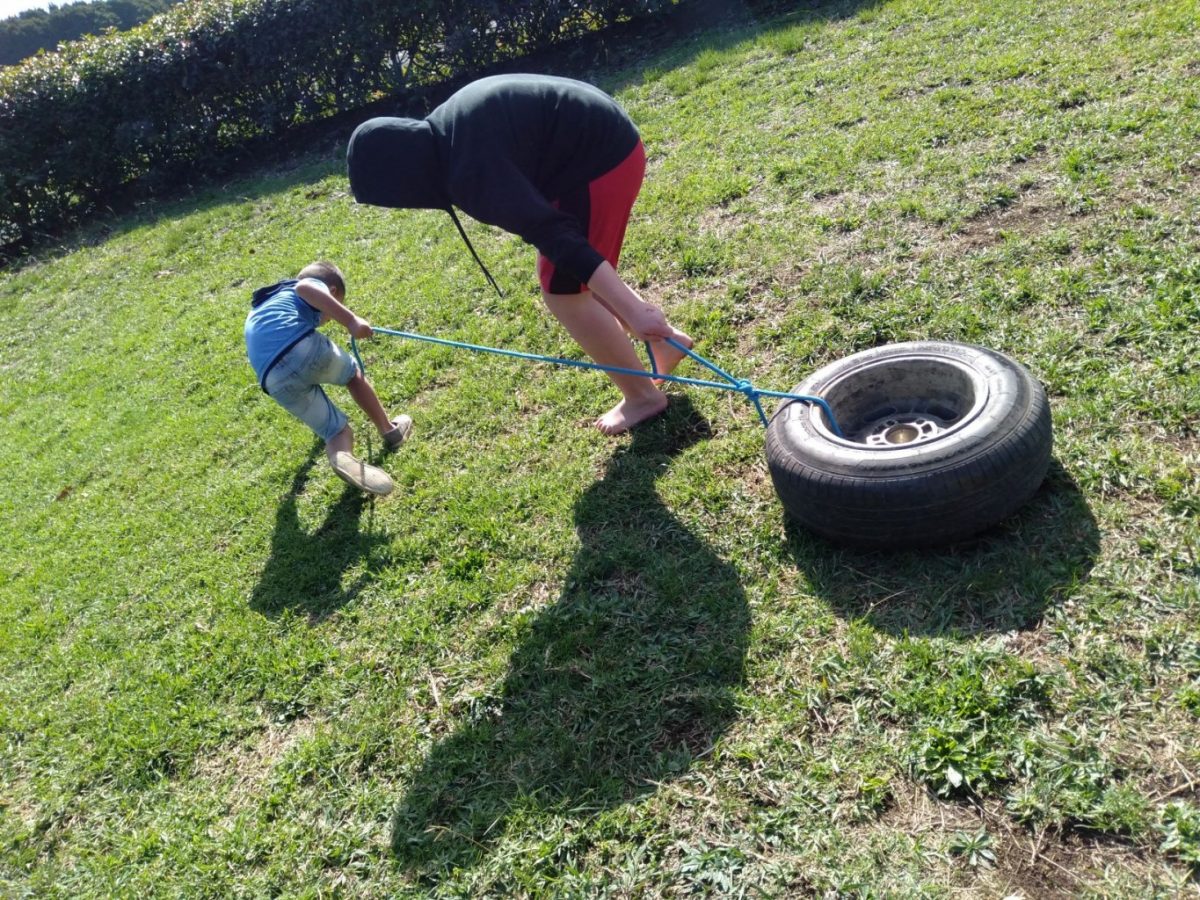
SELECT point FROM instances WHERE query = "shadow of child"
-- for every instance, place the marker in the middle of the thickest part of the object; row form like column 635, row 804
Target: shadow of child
column 306, row 569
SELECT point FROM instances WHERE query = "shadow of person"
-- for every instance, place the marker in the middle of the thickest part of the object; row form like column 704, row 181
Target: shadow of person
column 621, row 683
column 1001, row 581
column 306, row 569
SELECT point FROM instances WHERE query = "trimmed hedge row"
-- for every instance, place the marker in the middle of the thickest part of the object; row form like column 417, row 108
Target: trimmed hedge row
column 178, row 96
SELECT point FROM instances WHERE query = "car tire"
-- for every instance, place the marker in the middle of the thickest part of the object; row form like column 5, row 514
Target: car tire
column 939, row 441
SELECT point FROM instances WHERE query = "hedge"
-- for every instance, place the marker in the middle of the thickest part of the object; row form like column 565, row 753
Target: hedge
column 178, row 97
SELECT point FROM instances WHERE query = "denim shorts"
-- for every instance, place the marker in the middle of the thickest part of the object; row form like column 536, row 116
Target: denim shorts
column 295, row 380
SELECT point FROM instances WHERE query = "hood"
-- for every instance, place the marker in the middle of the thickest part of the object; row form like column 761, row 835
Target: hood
column 393, row 162
column 263, row 294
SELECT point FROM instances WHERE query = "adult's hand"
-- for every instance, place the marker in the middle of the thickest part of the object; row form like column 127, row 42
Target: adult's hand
column 647, row 323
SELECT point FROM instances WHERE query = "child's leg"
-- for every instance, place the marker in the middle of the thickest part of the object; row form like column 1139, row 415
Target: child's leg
column 368, row 401
column 394, row 431
column 603, row 338
column 342, row 442
column 295, row 383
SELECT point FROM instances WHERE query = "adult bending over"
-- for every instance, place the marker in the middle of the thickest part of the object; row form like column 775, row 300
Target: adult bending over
column 557, row 162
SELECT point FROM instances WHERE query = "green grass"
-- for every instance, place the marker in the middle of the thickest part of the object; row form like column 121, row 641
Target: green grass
column 557, row 664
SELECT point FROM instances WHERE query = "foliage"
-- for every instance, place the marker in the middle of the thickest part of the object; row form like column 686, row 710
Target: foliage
column 969, row 716
column 975, row 849
column 32, row 30
column 191, row 90
column 1180, row 828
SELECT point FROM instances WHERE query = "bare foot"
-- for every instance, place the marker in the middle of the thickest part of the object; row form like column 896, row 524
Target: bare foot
column 628, row 413
column 666, row 357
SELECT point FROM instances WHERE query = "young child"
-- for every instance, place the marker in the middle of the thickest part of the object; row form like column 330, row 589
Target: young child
column 292, row 360
column 558, row 163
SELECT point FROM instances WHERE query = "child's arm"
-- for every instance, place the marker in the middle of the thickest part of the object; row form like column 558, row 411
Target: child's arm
column 317, row 295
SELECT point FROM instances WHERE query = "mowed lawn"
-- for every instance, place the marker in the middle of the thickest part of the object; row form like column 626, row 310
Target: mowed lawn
column 555, row 664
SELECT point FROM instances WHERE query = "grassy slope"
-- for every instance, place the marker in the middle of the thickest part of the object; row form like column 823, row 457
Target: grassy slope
column 556, row 663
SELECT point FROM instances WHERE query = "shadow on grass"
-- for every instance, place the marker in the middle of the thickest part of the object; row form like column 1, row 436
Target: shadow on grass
column 621, row 683
column 1001, row 581
column 305, row 570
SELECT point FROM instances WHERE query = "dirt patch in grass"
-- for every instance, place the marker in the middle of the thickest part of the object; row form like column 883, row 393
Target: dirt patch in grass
column 244, row 767
column 1027, row 863
column 1060, row 866
column 1033, row 211
column 720, row 222
column 1071, row 863
column 1033, row 645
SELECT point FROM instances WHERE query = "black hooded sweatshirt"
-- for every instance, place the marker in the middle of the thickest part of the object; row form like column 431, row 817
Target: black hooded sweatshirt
column 502, row 149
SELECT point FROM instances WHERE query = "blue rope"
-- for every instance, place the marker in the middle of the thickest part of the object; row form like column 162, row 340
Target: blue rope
column 737, row 385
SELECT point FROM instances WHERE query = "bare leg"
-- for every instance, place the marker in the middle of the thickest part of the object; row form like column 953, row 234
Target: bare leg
column 342, row 442
column 368, row 401
column 666, row 357
column 603, row 338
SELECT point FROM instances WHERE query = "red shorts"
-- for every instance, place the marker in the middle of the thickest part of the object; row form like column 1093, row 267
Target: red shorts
column 604, row 205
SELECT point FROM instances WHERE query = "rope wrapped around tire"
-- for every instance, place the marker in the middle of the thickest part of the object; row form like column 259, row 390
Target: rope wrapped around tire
column 942, row 440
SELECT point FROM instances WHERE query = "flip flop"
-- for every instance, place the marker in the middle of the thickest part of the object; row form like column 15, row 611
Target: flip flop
column 361, row 475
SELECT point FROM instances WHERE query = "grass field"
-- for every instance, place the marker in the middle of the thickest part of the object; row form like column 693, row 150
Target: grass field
column 559, row 664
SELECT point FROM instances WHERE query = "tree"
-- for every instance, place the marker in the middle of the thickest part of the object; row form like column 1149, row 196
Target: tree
column 26, row 33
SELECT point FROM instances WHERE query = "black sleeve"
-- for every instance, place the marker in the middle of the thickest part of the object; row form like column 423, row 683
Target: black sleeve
column 504, row 197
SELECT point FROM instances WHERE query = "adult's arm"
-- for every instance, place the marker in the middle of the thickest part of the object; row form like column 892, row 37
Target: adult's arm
column 500, row 194
column 645, row 320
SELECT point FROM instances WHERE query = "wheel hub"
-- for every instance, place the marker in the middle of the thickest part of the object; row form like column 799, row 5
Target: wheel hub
column 895, row 430
column 901, row 403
